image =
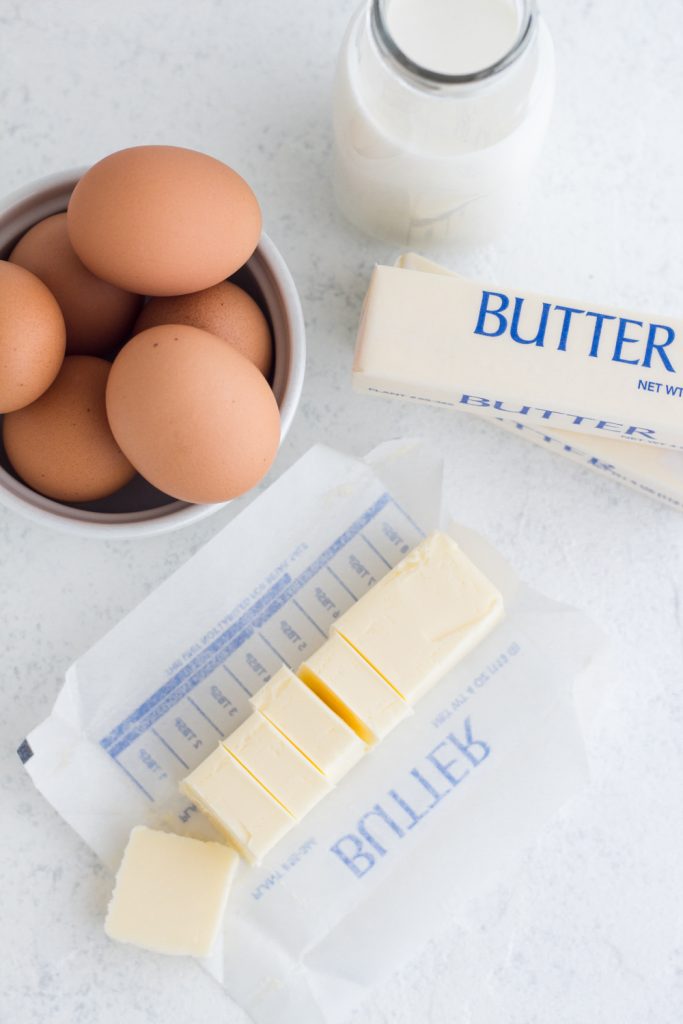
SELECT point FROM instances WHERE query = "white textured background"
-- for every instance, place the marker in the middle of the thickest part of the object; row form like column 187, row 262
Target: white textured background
column 589, row 928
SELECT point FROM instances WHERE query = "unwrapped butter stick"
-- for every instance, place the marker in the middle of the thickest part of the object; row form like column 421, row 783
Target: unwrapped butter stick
column 383, row 654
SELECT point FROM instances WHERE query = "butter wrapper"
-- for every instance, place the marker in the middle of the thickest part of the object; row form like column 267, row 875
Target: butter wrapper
column 419, row 827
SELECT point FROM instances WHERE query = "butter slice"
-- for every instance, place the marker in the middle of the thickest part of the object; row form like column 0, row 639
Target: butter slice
column 277, row 764
column 307, row 722
column 170, row 893
column 237, row 804
column 352, row 689
column 423, row 617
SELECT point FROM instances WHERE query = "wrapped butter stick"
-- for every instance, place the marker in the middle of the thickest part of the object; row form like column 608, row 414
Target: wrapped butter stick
column 446, row 340
column 430, row 816
column 647, row 468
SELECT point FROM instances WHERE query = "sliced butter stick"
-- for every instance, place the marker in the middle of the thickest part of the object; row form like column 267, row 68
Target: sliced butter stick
column 423, row 616
column 277, row 764
column 237, row 804
column 307, row 722
column 353, row 690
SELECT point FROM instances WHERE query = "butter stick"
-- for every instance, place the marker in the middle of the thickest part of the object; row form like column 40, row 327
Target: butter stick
column 569, row 365
column 650, row 469
column 383, row 654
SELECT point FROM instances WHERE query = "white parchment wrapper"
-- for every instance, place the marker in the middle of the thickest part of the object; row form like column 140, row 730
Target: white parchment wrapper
column 427, row 820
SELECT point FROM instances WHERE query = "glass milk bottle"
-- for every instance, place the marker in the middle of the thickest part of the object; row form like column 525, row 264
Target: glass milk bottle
column 440, row 108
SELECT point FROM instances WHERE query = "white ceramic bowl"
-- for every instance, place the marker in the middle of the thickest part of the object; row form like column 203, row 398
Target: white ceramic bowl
column 139, row 509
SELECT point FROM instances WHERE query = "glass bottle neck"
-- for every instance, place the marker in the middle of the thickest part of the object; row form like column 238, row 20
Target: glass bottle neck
column 392, row 46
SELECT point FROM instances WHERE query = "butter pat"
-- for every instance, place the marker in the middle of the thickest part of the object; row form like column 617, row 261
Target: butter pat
column 170, row 893
column 277, row 764
column 353, row 690
column 423, row 616
column 443, row 339
column 307, row 722
column 237, row 804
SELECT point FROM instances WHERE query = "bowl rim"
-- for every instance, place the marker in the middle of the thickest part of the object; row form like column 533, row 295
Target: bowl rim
column 18, row 497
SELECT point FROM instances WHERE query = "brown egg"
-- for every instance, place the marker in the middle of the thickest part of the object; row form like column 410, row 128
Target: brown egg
column 160, row 220
column 61, row 445
column 98, row 316
column 194, row 417
column 32, row 337
column 224, row 310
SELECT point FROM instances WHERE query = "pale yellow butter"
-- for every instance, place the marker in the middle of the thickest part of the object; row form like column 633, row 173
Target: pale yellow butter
column 170, row 893
column 352, row 688
column 277, row 764
column 384, row 653
column 320, row 734
column 237, row 804
column 423, row 616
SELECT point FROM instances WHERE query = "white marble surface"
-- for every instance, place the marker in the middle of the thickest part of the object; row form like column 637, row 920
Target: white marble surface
column 589, row 927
